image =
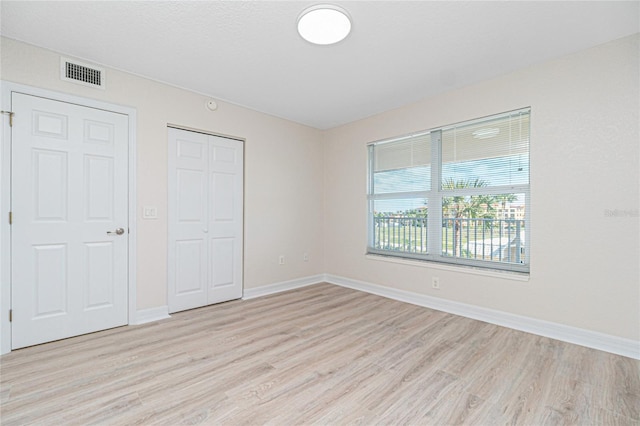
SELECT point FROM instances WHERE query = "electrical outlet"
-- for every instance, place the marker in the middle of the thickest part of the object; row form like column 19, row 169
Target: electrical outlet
column 435, row 282
column 281, row 259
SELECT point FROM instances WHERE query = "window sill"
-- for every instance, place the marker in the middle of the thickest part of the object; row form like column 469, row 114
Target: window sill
column 507, row 275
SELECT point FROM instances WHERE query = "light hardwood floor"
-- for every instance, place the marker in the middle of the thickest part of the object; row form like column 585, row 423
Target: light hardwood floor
column 317, row 355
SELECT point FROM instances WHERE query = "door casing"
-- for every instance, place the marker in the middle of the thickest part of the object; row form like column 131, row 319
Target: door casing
column 5, row 198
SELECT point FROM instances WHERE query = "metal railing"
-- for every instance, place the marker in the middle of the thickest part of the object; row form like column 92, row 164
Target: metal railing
column 496, row 240
column 400, row 233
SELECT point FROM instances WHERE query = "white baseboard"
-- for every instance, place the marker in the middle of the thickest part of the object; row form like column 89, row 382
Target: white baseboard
column 158, row 313
column 144, row 316
column 251, row 293
column 591, row 339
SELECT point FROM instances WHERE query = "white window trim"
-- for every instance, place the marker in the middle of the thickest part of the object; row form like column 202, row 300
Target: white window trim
column 435, row 196
column 471, row 270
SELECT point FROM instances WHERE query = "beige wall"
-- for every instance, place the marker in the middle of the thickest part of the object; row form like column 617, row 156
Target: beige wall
column 283, row 170
column 584, row 160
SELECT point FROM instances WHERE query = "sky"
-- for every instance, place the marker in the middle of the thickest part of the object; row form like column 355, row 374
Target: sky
column 508, row 170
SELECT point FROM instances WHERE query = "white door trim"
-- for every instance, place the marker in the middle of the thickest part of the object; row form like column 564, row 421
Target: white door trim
column 5, row 198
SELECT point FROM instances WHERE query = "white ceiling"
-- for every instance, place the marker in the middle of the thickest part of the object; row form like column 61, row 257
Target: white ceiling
column 249, row 53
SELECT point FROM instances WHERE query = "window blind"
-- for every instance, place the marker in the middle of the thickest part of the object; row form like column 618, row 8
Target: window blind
column 475, row 214
column 491, row 152
column 402, row 165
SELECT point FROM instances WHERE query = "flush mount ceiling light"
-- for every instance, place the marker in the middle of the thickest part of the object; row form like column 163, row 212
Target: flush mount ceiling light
column 324, row 24
column 486, row 133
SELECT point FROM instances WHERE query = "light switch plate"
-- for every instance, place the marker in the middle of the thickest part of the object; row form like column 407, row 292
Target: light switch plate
column 149, row 212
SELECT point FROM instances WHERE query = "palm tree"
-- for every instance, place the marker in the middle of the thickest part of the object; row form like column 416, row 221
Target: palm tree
column 461, row 207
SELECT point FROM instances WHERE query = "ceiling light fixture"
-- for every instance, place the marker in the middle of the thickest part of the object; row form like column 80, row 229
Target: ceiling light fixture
column 486, row 133
column 324, row 24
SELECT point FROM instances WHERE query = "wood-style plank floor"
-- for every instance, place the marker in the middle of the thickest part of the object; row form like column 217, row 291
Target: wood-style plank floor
column 317, row 355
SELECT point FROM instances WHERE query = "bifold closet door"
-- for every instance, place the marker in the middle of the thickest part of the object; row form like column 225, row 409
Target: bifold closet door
column 205, row 219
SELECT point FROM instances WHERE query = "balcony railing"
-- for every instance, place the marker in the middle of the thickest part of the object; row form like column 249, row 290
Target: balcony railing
column 400, row 233
column 495, row 240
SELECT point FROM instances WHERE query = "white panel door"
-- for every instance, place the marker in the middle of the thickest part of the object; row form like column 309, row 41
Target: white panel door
column 69, row 197
column 187, row 251
column 225, row 219
column 205, row 219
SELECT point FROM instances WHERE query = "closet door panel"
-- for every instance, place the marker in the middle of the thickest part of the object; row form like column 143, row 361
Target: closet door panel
column 188, row 255
column 225, row 219
column 205, row 219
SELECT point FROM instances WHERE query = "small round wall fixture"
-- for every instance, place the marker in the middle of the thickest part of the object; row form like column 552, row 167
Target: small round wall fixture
column 211, row 105
column 324, row 24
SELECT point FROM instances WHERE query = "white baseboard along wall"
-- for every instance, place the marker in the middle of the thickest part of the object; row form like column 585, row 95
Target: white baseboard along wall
column 144, row 316
column 565, row 333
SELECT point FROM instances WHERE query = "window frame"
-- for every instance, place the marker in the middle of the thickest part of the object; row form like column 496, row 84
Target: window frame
column 435, row 196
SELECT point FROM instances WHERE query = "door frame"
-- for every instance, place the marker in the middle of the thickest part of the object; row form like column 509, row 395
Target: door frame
column 5, row 198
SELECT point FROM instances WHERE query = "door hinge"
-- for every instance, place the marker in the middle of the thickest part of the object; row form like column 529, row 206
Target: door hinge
column 10, row 218
column 10, row 114
column 10, row 315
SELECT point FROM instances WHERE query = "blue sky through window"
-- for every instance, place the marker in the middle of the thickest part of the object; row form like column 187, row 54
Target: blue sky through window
column 512, row 170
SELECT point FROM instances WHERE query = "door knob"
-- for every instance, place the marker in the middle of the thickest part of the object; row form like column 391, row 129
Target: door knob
column 118, row 231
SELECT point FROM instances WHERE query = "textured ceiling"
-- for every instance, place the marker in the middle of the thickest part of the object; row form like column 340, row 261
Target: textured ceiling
column 250, row 54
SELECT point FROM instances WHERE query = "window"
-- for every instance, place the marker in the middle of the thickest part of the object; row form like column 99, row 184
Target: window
column 455, row 194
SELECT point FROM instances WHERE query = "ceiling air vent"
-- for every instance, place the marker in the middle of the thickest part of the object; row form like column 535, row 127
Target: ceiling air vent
column 85, row 74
